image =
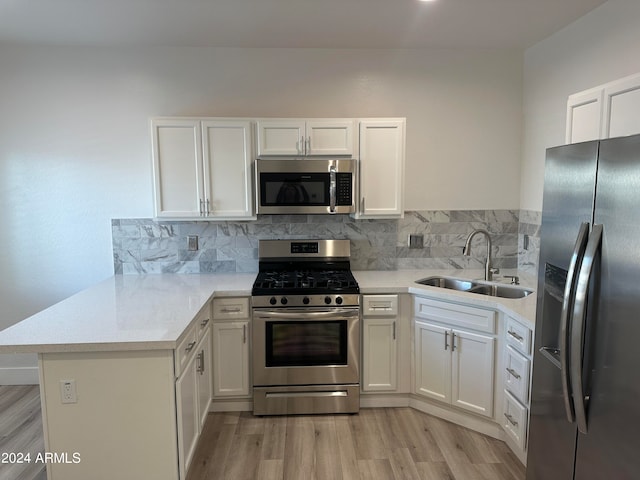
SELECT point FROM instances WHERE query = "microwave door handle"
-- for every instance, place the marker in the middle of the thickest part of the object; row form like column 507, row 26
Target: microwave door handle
column 578, row 320
column 332, row 189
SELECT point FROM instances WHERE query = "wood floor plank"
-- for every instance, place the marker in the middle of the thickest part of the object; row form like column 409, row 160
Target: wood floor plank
column 299, row 446
column 369, row 444
column 346, row 445
column 244, row 457
column 326, row 451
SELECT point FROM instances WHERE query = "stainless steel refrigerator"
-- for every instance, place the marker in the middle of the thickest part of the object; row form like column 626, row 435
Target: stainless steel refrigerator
column 585, row 398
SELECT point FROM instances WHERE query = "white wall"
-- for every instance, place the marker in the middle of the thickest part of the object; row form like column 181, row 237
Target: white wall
column 602, row 46
column 75, row 148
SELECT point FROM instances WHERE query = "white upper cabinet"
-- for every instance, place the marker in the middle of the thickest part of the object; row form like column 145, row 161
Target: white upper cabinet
column 584, row 116
column 622, row 107
column 606, row 111
column 202, row 168
column 305, row 137
column 381, row 168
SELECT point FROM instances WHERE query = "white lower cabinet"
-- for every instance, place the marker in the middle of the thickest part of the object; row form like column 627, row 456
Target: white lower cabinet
column 454, row 365
column 188, row 421
column 193, row 387
column 231, row 341
column 514, row 420
column 379, row 352
column 231, row 358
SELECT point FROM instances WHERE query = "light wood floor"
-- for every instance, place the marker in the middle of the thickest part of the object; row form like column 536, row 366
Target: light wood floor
column 381, row 443
column 21, row 431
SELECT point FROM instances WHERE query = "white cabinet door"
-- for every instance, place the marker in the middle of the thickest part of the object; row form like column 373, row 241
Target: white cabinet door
column 379, row 354
column 584, row 116
column 281, row 137
column 231, row 359
column 291, row 136
column 204, row 380
column 329, row 137
column 227, row 168
column 622, row 107
column 472, row 372
column 381, row 168
column 188, row 421
column 177, row 172
column 433, row 361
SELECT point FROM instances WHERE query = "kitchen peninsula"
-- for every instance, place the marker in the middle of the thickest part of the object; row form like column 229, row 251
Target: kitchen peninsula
column 119, row 345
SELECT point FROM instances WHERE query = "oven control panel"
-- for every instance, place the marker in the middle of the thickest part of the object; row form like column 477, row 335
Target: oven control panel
column 262, row 301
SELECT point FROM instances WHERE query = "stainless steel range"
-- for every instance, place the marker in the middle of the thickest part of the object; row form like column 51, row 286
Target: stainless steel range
column 306, row 329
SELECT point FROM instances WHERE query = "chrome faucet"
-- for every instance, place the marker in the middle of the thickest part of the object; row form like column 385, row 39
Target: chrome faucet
column 488, row 271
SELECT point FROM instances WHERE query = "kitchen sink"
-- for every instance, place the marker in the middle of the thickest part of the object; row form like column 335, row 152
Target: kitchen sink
column 462, row 285
column 447, row 282
column 502, row 291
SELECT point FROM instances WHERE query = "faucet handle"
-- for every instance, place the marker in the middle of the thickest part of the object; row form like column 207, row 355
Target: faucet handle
column 494, row 270
column 515, row 280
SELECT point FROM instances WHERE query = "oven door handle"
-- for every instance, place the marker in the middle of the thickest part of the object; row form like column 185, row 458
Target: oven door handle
column 305, row 314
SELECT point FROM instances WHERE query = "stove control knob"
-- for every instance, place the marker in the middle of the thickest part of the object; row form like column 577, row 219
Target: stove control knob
column 273, row 300
column 339, row 300
column 327, row 300
column 306, row 300
column 283, row 300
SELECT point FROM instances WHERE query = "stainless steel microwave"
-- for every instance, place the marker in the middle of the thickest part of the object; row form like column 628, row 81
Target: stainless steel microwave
column 305, row 185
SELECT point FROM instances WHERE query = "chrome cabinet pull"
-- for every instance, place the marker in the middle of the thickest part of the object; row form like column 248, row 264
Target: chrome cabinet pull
column 511, row 420
column 394, row 330
column 567, row 305
column 515, row 335
column 204, row 323
column 189, row 347
column 244, row 334
column 308, row 146
column 578, row 320
column 231, row 310
column 513, row 373
column 207, row 211
column 362, row 205
column 446, row 337
column 201, row 207
column 453, row 341
column 200, row 368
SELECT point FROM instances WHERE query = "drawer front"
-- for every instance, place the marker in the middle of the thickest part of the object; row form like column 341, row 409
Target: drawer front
column 186, row 348
column 516, row 374
column 514, row 420
column 230, row 308
column 380, row 305
column 457, row 315
column 518, row 336
column 203, row 320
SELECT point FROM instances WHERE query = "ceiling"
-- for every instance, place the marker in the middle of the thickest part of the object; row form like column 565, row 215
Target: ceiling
column 512, row 24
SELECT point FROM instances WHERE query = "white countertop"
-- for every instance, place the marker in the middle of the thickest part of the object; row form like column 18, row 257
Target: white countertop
column 124, row 312
column 145, row 312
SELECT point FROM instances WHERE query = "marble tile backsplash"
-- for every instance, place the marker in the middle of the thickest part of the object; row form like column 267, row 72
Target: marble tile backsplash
column 148, row 246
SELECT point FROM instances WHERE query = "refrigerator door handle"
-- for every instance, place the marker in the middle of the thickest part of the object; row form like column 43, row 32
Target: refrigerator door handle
column 578, row 320
column 567, row 304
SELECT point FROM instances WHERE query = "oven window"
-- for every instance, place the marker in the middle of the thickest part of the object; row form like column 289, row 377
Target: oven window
column 294, row 189
column 306, row 343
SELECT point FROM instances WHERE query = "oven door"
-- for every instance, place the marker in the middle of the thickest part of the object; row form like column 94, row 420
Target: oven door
column 305, row 186
column 306, row 346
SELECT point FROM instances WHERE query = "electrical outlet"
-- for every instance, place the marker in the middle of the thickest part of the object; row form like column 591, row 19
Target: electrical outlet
column 192, row 243
column 68, row 391
column 416, row 241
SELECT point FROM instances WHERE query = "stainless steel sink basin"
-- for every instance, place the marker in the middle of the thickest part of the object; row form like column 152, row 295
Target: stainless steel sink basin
column 502, row 291
column 461, row 285
column 447, row 282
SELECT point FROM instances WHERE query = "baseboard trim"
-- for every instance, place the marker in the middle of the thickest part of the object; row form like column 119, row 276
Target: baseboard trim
column 19, row 376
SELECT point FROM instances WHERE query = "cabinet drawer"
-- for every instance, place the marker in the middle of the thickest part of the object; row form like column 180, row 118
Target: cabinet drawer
column 456, row 315
column 230, row 308
column 186, row 347
column 514, row 420
column 518, row 336
column 380, row 305
column 202, row 321
column 516, row 374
